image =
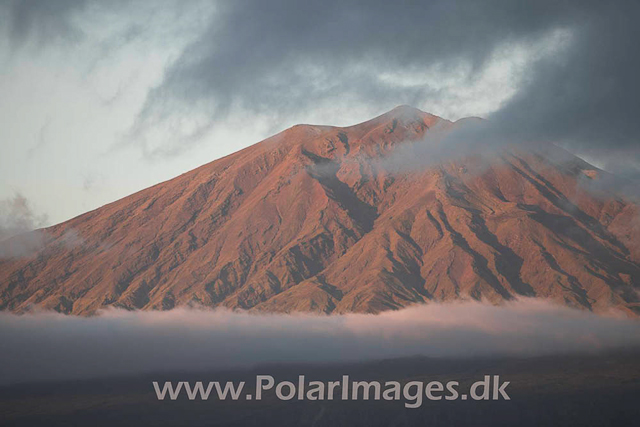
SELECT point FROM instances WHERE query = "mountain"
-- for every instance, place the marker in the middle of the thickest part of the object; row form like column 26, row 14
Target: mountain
column 326, row 219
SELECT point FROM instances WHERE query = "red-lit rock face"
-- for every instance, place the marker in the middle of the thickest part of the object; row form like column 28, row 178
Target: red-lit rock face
column 312, row 220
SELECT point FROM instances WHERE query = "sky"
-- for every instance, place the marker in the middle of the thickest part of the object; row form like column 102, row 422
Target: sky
column 102, row 99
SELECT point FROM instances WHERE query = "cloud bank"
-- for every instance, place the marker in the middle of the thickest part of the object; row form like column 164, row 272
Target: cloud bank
column 46, row 346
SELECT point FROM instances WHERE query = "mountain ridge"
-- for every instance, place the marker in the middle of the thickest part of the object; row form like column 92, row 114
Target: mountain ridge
column 311, row 219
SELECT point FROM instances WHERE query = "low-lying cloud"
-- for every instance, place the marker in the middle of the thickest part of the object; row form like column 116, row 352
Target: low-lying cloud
column 48, row 346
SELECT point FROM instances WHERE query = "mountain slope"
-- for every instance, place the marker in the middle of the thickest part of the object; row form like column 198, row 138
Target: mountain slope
column 316, row 219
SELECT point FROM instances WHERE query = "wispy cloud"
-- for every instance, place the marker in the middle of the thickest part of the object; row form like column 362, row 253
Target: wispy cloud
column 21, row 234
column 17, row 225
column 17, row 216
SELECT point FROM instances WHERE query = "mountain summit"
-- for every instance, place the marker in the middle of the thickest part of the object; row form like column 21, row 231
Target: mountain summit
column 313, row 219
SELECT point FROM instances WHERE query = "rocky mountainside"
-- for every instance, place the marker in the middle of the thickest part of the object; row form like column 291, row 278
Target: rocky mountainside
column 315, row 219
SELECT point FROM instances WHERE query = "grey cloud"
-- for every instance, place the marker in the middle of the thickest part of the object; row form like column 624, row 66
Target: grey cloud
column 54, row 346
column 44, row 22
column 69, row 23
column 588, row 98
column 278, row 58
column 282, row 58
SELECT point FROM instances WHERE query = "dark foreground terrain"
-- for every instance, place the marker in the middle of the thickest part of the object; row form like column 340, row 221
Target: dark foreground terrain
column 585, row 390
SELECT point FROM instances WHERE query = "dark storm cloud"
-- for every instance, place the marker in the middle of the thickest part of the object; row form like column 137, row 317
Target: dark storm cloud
column 588, row 98
column 283, row 57
column 278, row 58
column 55, row 346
